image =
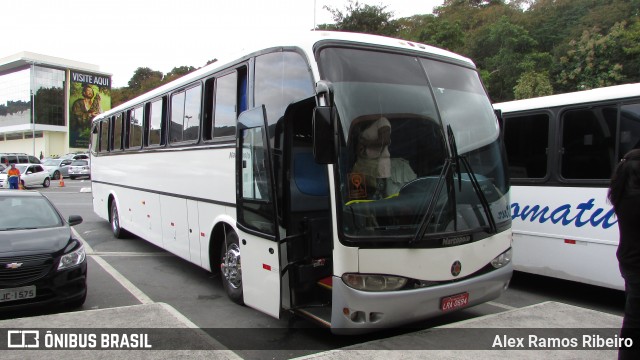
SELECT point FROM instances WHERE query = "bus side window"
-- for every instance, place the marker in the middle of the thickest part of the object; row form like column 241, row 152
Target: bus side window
column 526, row 139
column 629, row 138
column 226, row 105
column 94, row 137
column 135, row 124
column 104, row 135
column 588, row 143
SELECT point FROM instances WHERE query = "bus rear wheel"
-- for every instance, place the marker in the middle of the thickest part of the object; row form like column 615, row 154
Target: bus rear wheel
column 230, row 267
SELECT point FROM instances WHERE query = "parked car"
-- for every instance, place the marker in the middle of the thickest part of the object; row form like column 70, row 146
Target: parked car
column 79, row 168
column 41, row 261
column 57, row 167
column 30, row 175
column 76, row 156
column 18, row 158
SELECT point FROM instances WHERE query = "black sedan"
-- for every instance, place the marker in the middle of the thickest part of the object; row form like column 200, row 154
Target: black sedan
column 41, row 262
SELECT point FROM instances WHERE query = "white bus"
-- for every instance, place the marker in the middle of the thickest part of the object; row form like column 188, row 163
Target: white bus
column 354, row 179
column 561, row 152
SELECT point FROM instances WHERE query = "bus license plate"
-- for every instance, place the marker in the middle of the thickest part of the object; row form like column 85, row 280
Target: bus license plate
column 454, row 302
column 25, row 292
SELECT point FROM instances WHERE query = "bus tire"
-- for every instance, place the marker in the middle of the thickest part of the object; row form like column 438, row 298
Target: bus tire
column 114, row 219
column 230, row 267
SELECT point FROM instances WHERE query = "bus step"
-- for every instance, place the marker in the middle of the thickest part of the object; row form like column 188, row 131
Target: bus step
column 326, row 283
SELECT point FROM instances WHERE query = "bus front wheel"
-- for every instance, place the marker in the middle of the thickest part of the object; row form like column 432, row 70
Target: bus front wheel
column 230, row 267
column 114, row 218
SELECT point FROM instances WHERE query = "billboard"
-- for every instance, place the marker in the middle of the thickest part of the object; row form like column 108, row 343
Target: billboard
column 89, row 95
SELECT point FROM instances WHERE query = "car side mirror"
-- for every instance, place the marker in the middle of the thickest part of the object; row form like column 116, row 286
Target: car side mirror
column 75, row 220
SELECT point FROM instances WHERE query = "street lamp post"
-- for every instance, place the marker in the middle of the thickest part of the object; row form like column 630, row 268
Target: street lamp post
column 33, row 107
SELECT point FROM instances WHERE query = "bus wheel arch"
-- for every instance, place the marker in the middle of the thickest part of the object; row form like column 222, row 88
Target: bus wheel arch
column 225, row 259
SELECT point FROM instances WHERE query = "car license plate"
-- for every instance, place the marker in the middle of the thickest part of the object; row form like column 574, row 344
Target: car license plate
column 454, row 302
column 25, row 292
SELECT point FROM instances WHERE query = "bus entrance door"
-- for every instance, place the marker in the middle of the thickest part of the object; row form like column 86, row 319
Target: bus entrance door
column 256, row 214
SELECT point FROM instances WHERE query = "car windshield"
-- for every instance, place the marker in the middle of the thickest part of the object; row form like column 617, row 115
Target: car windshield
column 20, row 168
column 27, row 213
column 79, row 163
column 396, row 159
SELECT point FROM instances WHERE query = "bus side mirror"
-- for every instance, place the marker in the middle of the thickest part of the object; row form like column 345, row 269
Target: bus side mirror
column 323, row 137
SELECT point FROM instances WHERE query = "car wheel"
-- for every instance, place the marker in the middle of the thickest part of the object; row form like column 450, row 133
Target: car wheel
column 72, row 177
column 114, row 218
column 230, row 267
column 56, row 175
column 46, row 182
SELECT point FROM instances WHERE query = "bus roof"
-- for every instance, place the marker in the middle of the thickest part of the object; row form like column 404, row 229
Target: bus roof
column 305, row 41
column 578, row 97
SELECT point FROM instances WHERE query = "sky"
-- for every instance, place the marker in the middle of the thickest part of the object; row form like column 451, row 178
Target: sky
column 121, row 35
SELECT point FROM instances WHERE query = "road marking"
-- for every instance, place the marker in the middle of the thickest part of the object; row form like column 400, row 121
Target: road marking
column 124, row 253
column 503, row 306
column 134, row 290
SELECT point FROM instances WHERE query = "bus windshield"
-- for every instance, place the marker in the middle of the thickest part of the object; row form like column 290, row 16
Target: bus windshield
column 396, row 163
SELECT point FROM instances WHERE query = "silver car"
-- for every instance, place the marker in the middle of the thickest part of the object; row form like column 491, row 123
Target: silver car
column 79, row 168
column 30, row 175
column 57, row 167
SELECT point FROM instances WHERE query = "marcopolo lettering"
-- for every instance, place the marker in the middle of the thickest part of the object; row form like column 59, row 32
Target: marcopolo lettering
column 583, row 214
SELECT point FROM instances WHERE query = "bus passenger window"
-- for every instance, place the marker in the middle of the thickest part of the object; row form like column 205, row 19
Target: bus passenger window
column 526, row 140
column 136, row 123
column 104, row 136
column 225, row 115
column 155, row 124
column 185, row 115
column 629, row 128
column 117, row 131
column 588, row 142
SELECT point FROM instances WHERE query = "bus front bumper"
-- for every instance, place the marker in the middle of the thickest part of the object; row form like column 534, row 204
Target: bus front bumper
column 355, row 312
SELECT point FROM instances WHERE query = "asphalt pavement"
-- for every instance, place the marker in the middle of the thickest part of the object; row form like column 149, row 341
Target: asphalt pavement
column 549, row 330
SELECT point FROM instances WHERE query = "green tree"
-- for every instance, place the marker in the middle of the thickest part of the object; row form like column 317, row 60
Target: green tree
column 503, row 49
column 363, row 18
column 177, row 72
column 145, row 79
column 591, row 61
column 533, row 84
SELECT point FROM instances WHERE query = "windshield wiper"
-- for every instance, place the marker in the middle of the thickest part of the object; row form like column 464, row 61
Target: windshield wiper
column 426, row 218
column 472, row 177
column 453, row 163
column 493, row 228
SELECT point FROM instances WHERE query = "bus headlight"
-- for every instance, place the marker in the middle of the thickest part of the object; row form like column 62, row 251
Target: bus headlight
column 502, row 259
column 72, row 259
column 366, row 282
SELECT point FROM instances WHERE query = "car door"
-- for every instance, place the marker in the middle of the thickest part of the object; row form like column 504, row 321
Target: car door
column 28, row 177
column 40, row 174
column 64, row 167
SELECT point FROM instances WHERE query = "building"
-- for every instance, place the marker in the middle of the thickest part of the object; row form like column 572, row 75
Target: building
column 47, row 103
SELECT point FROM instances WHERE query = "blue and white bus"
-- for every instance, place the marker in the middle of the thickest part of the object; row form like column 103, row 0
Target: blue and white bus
column 562, row 150
column 354, row 179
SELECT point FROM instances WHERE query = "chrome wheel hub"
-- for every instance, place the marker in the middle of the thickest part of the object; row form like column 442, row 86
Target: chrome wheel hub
column 231, row 267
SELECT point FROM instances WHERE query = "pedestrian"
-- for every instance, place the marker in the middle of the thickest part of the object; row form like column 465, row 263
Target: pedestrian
column 13, row 176
column 624, row 195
